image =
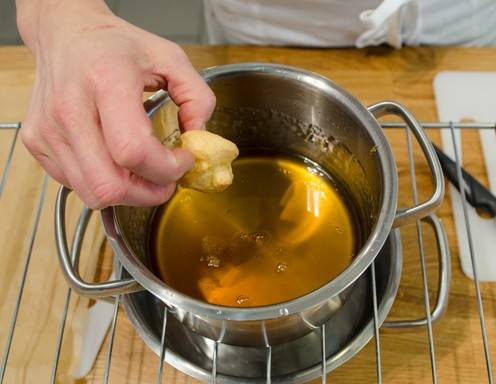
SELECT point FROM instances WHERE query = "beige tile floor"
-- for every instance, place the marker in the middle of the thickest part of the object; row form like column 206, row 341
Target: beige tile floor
column 177, row 20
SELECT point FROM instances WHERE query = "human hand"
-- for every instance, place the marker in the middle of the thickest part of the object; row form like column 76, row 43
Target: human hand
column 85, row 122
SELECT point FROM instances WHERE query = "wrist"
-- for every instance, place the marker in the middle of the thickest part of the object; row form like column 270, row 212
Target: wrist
column 42, row 20
column 27, row 20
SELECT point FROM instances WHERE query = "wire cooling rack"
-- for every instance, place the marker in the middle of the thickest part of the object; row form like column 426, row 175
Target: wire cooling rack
column 426, row 322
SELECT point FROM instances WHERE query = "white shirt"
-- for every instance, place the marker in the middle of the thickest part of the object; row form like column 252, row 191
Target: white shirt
column 337, row 23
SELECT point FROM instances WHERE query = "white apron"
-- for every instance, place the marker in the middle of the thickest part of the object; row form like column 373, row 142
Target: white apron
column 360, row 23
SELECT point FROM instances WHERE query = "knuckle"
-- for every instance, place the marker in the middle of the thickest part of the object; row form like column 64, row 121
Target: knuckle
column 60, row 107
column 51, row 135
column 108, row 193
column 176, row 51
column 90, row 201
column 210, row 98
column 29, row 138
column 129, row 152
column 93, row 204
column 65, row 112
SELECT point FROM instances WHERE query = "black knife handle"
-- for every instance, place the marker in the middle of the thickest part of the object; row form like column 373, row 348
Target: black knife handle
column 477, row 195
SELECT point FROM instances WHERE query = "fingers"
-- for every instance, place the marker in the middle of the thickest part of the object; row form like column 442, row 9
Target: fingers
column 128, row 135
column 71, row 148
column 100, row 183
column 186, row 87
column 101, row 180
column 145, row 194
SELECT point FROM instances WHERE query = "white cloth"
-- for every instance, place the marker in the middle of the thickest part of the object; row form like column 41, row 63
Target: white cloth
column 360, row 23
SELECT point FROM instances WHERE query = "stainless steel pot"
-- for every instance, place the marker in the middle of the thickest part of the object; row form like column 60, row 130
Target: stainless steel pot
column 284, row 109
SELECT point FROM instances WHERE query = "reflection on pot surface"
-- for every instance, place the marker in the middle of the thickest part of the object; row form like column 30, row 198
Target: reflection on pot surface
column 283, row 229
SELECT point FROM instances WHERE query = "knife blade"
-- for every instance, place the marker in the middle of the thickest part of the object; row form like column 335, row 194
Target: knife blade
column 476, row 194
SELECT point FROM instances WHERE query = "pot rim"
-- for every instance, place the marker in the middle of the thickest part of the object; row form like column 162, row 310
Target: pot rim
column 368, row 252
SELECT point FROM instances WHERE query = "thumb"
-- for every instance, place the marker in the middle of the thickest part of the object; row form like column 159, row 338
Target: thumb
column 187, row 89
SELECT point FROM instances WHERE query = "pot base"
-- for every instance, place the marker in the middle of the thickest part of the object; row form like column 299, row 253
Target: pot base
column 347, row 332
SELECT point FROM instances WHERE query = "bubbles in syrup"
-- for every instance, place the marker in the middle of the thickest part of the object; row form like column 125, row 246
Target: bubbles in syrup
column 242, row 299
column 281, row 267
column 212, row 248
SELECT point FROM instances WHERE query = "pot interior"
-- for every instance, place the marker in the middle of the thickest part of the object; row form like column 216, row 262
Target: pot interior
column 308, row 117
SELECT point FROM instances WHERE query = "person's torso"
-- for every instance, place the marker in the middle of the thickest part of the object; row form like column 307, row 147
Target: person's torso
column 334, row 23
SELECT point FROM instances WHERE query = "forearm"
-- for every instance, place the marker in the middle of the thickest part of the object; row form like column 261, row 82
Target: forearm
column 36, row 17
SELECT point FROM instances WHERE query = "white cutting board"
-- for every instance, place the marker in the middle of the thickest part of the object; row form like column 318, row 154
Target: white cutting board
column 472, row 95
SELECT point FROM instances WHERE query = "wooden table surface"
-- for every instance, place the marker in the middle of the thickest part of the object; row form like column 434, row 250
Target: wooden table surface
column 371, row 75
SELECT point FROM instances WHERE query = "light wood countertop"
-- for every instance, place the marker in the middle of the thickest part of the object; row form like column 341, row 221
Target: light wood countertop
column 371, row 75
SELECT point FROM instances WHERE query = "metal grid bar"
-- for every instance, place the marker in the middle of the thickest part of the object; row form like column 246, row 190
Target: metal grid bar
column 425, row 286
column 6, row 166
column 377, row 338
column 214, row 363
column 480, row 307
column 75, row 253
column 324, row 354
column 10, row 125
column 269, row 364
column 162, row 348
column 108, row 362
column 60, row 336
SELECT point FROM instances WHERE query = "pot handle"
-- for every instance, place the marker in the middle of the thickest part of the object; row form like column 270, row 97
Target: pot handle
column 420, row 210
column 443, row 283
column 70, row 268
